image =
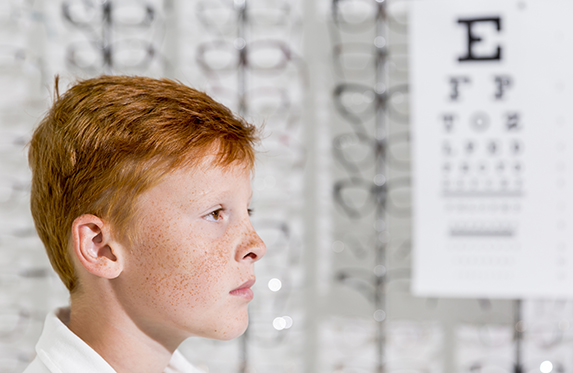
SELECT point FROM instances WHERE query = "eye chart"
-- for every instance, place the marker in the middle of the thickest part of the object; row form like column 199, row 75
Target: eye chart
column 492, row 142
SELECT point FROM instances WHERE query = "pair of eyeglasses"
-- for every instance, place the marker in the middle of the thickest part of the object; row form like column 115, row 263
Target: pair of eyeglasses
column 271, row 104
column 358, row 244
column 126, row 54
column 221, row 16
column 367, row 282
column 395, row 282
column 358, row 151
column 356, row 16
column 358, row 103
column 97, row 19
column 355, row 59
column 125, row 13
column 264, row 55
column 358, row 197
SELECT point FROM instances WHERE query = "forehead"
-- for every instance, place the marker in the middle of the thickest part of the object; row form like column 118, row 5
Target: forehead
column 210, row 165
column 207, row 176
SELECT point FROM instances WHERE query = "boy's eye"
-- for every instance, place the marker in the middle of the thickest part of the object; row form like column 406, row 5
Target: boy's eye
column 215, row 215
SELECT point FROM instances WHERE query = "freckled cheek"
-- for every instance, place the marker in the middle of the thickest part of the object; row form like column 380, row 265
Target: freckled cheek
column 189, row 276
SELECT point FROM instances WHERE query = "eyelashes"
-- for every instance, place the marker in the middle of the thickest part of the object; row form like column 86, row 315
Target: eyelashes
column 217, row 215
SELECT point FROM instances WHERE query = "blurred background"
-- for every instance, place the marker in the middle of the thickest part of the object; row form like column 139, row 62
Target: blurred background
column 358, row 99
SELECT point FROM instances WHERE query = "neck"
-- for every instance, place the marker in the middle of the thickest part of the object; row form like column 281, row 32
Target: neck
column 105, row 326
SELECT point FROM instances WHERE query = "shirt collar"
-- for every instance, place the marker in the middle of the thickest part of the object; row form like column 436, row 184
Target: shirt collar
column 64, row 352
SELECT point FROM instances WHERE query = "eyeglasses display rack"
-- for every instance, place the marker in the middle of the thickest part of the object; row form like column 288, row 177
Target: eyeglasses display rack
column 334, row 84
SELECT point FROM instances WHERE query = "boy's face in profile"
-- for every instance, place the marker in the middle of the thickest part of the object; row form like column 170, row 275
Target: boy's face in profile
column 189, row 270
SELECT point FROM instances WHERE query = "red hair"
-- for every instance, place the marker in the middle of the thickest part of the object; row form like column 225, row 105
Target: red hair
column 108, row 139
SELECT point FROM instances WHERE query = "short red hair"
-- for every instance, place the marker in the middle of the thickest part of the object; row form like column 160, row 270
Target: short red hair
column 108, row 139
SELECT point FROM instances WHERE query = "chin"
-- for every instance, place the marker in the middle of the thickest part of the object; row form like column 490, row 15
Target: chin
column 233, row 331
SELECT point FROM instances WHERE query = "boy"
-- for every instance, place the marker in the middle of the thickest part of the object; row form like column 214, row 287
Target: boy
column 140, row 194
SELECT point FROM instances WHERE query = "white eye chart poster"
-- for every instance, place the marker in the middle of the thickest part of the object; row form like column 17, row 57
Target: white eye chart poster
column 492, row 147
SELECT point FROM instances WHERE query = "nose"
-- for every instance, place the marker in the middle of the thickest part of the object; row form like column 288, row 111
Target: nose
column 252, row 248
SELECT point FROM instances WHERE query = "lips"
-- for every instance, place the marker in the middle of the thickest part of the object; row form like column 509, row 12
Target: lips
column 244, row 291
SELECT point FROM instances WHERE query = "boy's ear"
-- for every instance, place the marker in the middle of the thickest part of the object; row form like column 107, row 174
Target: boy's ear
column 93, row 246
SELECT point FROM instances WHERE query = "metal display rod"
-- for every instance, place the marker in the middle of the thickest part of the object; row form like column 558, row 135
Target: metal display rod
column 106, row 37
column 518, row 335
column 381, row 133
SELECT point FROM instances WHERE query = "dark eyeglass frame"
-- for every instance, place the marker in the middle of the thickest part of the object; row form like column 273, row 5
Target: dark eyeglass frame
column 284, row 109
column 357, row 27
column 380, row 150
column 387, row 54
column 378, row 195
column 373, row 53
column 366, row 282
column 381, row 100
column 203, row 6
column 106, row 52
column 242, row 55
column 380, row 13
column 107, row 9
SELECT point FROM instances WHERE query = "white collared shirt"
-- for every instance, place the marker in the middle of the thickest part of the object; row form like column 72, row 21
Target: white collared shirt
column 59, row 350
